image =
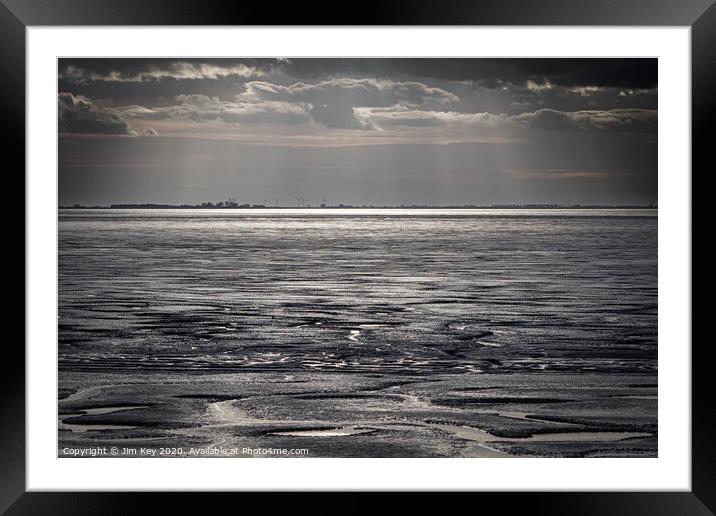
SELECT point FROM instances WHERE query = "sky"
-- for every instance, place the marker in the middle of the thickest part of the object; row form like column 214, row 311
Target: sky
column 358, row 132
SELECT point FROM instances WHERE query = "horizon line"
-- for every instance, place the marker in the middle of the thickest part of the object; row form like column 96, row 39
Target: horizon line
column 363, row 206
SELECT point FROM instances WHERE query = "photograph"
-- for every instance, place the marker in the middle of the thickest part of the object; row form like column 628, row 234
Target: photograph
column 357, row 257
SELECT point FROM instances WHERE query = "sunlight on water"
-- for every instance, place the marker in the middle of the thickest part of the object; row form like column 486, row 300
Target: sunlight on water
column 398, row 290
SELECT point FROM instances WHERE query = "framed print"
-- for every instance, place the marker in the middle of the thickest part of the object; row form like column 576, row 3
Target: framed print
column 410, row 251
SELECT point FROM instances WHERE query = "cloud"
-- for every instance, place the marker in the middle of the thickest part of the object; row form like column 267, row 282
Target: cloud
column 538, row 87
column 366, row 92
column 585, row 91
column 329, row 103
column 569, row 98
column 625, row 73
column 78, row 114
column 333, row 100
column 279, row 105
column 337, row 116
column 178, row 70
column 204, row 108
column 638, row 120
column 402, row 116
column 491, row 72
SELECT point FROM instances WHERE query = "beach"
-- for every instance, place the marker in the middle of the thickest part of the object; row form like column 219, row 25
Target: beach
column 359, row 333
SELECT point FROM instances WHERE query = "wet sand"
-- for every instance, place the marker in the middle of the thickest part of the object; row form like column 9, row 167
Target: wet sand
column 338, row 415
column 419, row 335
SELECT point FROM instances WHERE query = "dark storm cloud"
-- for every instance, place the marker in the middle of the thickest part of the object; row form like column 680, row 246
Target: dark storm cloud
column 638, row 120
column 78, row 114
column 621, row 73
column 490, row 73
column 612, row 72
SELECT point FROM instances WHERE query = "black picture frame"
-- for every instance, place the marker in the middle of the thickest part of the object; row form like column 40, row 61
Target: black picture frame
column 16, row 15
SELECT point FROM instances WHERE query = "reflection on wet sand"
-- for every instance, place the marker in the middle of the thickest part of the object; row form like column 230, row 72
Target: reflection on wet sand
column 431, row 334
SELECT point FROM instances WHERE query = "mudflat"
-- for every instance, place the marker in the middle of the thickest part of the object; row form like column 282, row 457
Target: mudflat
column 403, row 333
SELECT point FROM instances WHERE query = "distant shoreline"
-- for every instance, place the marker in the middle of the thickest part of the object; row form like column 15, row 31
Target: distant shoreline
column 341, row 206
